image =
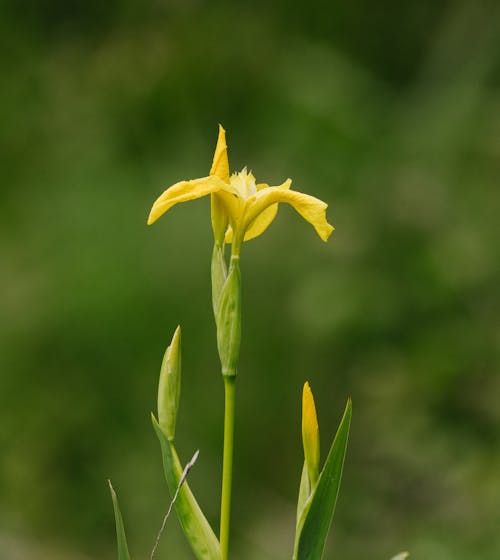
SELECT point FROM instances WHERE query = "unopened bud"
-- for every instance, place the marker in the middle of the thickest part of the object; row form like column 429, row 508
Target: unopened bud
column 169, row 387
column 228, row 319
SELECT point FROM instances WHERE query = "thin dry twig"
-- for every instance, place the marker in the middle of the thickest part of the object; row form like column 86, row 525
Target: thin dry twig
column 185, row 472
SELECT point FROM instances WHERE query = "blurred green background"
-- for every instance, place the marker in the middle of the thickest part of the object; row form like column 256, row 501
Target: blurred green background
column 390, row 112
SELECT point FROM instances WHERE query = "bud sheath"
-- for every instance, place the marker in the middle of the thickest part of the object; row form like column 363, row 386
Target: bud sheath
column 169, row 386
column 228, row 319
column 219, row 275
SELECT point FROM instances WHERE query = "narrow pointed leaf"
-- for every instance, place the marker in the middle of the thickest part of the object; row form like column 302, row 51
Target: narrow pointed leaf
column 304, row 492
column 200, row 535
column 123, row 553
column 317, row 515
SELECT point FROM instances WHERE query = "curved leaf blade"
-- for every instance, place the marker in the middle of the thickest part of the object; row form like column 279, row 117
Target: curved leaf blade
column 200, row 535
column 317, row 514
column 304, row 492
column 123, row 553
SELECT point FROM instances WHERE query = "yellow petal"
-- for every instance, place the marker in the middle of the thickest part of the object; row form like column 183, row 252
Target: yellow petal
column 266, row 217
column 182, row 192
column 234, row 206
column 310, row 208
column 219, row 217
column 229, row 235
column 263, row 220
column 220, row 164
column 310, row 433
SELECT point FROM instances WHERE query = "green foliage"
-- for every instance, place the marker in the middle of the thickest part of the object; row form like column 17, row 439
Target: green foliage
column 304, row 493
column 199, row 534
column 121, row 539
column 389, row 112
column 315, row 519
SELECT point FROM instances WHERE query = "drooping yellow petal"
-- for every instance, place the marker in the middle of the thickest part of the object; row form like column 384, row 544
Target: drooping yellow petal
column 182, row 192
column 310, row 433
column 309, row 207
column 263, row 220
column 220, row 164
column 266, row 217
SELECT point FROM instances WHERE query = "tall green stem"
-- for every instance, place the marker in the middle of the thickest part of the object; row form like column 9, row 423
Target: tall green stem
column 227, row 465
column 226, row 293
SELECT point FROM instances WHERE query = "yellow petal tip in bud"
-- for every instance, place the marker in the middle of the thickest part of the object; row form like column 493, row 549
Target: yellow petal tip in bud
column 310, row 433
column 309, row 417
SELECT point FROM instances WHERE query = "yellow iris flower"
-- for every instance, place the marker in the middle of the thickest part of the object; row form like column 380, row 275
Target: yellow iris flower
column 241, row 208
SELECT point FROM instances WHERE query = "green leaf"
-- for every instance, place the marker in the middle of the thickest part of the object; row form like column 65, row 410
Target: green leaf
column 200, row 535
column 317, row 514
column 304, row 492
column 401, row 556
column 123, row 553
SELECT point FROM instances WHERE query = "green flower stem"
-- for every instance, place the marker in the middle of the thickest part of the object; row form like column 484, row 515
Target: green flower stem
column 227, row 465
column 228, row 319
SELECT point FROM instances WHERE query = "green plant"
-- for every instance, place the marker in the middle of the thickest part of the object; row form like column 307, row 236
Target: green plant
column 241, row 209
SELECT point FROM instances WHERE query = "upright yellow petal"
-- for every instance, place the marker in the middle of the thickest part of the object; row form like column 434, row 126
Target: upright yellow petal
column 220, row 164
column 182, row 192
column 220, row 168
column 310, row 208
column 310, row 433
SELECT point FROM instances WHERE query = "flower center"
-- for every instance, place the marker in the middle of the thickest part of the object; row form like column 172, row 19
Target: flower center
column 243, row 183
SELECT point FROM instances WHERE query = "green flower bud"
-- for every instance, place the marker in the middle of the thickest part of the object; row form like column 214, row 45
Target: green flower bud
column 219, row 275
column 169, row 387
column 220, row 219
column 228, row 319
